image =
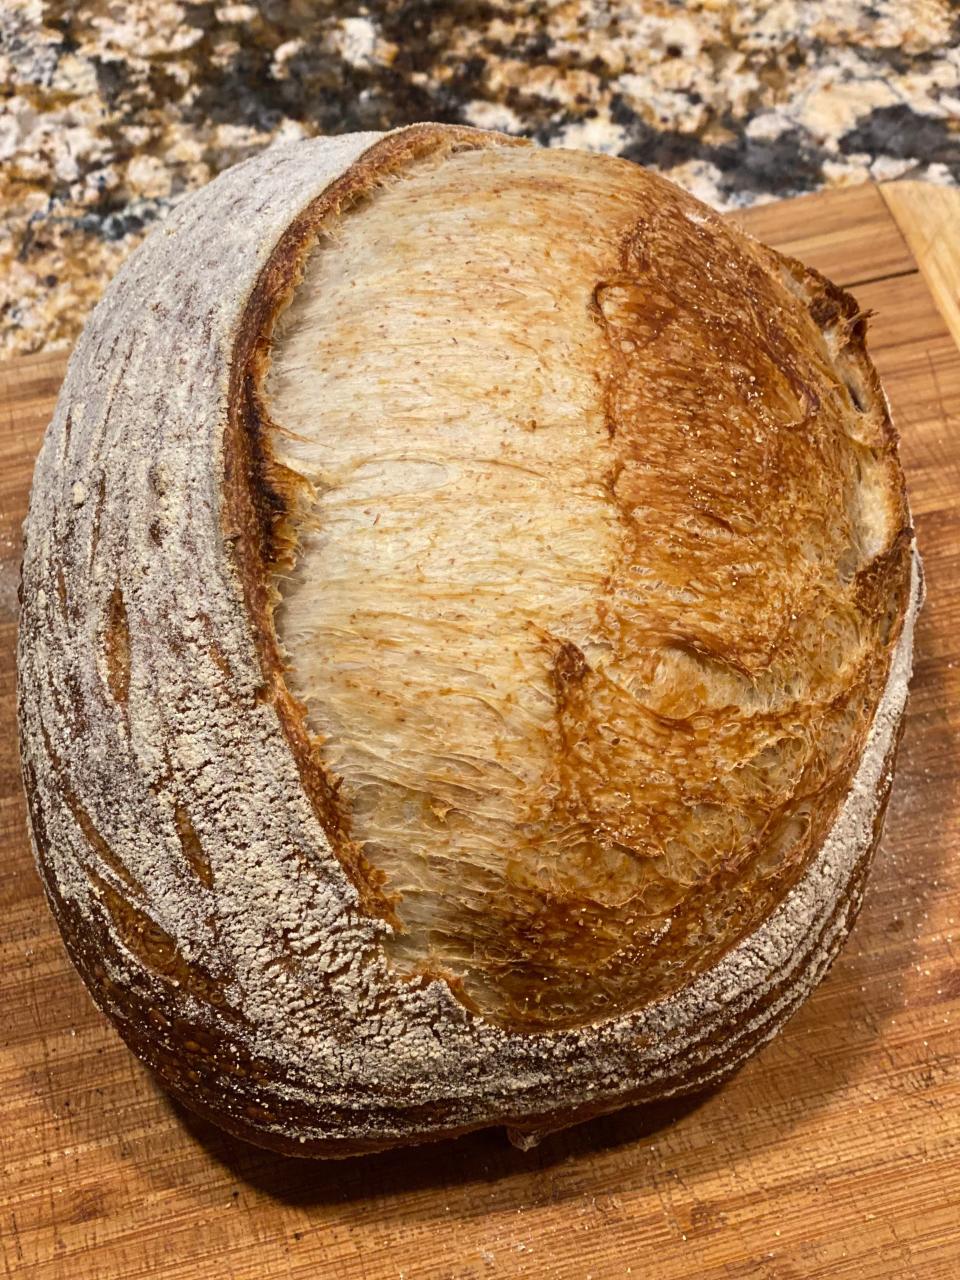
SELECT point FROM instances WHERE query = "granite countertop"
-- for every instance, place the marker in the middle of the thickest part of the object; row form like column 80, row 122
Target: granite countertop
column 112, row 111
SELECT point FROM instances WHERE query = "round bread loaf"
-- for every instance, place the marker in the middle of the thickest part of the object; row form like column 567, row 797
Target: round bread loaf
column 467, row 612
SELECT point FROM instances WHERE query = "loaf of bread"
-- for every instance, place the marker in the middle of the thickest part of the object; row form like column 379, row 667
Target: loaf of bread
column 466, row 621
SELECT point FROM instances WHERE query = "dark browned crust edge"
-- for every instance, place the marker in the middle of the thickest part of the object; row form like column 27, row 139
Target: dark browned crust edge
column 732, row 1047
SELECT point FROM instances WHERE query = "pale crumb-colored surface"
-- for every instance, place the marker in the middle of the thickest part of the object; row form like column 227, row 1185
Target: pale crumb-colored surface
column 550, row 737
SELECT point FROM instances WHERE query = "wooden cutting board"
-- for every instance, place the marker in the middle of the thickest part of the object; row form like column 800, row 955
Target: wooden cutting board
column 835, row 1153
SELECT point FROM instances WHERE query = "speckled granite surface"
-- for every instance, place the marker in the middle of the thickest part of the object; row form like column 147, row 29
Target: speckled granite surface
column 113, row 110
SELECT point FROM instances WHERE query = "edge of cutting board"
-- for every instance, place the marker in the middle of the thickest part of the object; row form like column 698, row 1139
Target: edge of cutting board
column 926, row 215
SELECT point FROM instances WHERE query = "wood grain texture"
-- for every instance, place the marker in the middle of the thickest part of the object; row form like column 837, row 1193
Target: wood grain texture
column 928, row 218
column 835, row 1153
column 848, row 235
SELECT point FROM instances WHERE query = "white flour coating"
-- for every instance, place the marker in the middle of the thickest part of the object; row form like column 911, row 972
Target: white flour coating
column 127, row 505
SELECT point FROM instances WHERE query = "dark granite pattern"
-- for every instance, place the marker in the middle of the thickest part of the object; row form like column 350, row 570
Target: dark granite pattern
column 112, row 111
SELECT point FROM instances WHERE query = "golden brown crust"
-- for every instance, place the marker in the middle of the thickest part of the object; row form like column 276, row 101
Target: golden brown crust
column 749, row 464
column 195, row 889
column 726, row 1049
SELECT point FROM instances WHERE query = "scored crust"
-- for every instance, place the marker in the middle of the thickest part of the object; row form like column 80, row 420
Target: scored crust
column 193, row 845
column 587, row 602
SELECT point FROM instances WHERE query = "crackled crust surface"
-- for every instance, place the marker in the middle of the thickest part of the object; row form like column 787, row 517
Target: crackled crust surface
column 600, row 555
column 192, row 840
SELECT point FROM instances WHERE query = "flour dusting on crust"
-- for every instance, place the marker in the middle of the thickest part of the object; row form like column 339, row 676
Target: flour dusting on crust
column 194, row 884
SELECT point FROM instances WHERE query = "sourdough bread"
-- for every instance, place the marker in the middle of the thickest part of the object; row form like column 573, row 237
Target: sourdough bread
column 467, row 613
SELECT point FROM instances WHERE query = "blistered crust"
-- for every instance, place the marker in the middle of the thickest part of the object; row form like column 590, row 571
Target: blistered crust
column 183, row 841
